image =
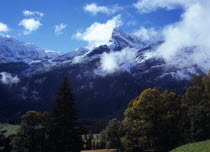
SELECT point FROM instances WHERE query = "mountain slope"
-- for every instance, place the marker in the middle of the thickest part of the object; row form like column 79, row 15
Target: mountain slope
column 12, row 50
column 104, row 79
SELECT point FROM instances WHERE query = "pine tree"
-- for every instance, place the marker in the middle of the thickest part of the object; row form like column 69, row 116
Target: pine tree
column 65, row 131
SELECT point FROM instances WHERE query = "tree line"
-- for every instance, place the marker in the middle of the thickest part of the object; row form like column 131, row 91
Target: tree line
column 58, row 131
column 155, row 121
column 159, row 121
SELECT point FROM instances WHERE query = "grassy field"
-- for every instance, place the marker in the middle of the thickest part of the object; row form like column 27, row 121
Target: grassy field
column 194, row 147
column 103, row 150
column 11, row 129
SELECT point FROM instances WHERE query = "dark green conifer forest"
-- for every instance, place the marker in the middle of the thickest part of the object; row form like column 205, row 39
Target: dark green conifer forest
column 154, row 121
column 50, row 132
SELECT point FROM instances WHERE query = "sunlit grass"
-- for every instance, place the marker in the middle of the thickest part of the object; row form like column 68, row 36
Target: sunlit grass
column 194, row 147
column 10, row 129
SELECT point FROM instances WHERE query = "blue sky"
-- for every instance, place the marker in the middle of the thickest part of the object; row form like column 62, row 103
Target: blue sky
column 76, row 19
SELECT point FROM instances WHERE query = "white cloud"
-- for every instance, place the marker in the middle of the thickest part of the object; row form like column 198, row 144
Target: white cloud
column 94, row 9
column 147, row 34
column 59, row 28
column 117, row 61
column 30, row 25
column 5, row 35
column 131, row 23
column 187, row 42
column 109, row 63
column 99, row 33
column 30, row 13
column 146, row 6
column 33, row 23
column 7, row 78
column 3, row 27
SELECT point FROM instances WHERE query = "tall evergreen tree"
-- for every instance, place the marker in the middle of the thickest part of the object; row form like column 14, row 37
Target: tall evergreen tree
column 65, row 130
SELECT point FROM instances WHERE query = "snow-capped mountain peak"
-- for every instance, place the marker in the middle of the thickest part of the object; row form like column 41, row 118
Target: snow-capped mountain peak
column 119, row 38
column 12, row 50
column 119, row 50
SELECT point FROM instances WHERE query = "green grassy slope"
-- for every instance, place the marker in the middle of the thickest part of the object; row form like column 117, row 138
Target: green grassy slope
column 11, row 129
column 194, row 147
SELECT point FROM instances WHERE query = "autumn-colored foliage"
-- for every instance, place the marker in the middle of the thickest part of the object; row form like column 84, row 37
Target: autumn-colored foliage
column 153, row 118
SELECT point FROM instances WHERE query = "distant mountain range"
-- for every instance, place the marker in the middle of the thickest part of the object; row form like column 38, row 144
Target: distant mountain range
column 104, row 79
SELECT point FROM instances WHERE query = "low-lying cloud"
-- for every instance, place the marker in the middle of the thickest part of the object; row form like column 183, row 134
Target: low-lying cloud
column 187, row 42
column 7, row 78
column 117, row 61
column 148, row 34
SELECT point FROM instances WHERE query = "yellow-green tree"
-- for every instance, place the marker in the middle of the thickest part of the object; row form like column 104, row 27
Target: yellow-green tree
column 30, row 134
column 152, row 121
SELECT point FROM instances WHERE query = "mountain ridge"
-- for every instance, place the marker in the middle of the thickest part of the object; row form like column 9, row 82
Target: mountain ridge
column 107, row 76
